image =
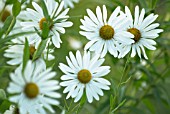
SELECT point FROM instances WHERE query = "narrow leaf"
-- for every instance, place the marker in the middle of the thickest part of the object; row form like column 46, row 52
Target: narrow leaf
column 11, row 1
column 8, row 38
column 40, row 49
column 16, row 8
column 45, row 11
column 154, row 3
column 45, row 30
column 26, row 55
column 7, row 23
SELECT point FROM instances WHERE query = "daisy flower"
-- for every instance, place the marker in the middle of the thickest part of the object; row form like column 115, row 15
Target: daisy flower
column 69, row 3
column 84, row 74
column 105, row 35
column 16, row 51
column 58, row 19
column 144, row 31
column 33, row 90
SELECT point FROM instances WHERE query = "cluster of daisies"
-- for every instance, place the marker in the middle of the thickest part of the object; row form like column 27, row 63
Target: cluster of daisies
column 34, row 88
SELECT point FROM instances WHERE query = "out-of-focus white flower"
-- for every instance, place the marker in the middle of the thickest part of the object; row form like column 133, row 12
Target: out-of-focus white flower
column 105, row 35
column 84, row 73
column 58, row 19
column 34, row 89
column 5, row 13
column 16, row 50
column 144, row 31
column 74, row 43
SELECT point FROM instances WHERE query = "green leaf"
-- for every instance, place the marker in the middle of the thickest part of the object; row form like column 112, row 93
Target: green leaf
column 8, row 38
column 4, row 106
column 45, row 30
column 154, row 2
column 112, row 102
column 40, row 49
column 2, row 94
column 11, row 1
column 121, row 94
column 45, row 11
column 7, row 23
column 121, row 104
column 26, row 55
column 143, row 3
column 37, row 32
column 16, row 8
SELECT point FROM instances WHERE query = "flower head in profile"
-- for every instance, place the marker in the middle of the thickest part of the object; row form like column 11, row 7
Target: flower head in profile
column 69, row 3
column 16, row 51
column 33, row 89
column 83, row 74
column 144, row 31
column 57, row 22
column 105, row 35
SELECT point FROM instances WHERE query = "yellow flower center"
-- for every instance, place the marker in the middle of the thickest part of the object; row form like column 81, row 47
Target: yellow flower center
column 41, row 23
column 32, row 51
column 31, row 90
column 106, row 32
column 5, row 14
column 136, row 33
column 84, row 76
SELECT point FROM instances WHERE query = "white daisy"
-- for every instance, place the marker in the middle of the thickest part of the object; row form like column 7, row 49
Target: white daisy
column 16, row 50
column 84, row 73
column 144, row 31
column 57, row 16
column 69, row 3
column 33, row 90
column 105, row 35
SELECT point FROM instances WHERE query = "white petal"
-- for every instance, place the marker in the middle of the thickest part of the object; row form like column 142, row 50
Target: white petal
column 133, row 51
column 92, row 16
column 114, row 15
column 136, row 16
column 103, row 81
column 89, row 94
column 99, row 15
column 104, row 14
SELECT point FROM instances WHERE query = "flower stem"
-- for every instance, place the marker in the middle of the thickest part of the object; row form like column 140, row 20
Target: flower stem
column 123, row 73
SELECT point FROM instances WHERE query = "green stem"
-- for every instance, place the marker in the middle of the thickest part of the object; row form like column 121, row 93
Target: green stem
column 124, row 69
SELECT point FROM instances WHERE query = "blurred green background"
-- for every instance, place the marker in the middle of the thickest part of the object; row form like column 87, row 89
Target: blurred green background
column 148, row 88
